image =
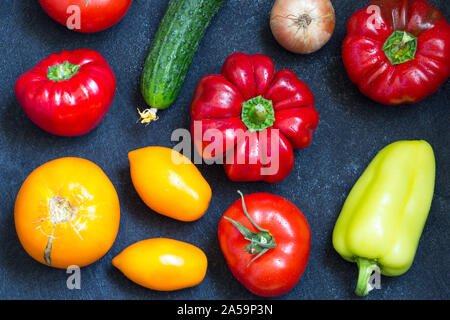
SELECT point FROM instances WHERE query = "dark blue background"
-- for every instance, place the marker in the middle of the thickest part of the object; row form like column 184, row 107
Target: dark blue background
column 351, row 131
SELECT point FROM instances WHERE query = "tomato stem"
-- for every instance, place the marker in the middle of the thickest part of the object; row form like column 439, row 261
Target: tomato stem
column 61, row 210
column 246, row 213
column 260, row 242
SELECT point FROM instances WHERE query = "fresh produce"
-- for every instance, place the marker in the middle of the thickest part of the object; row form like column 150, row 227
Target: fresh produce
column 265, row 240
column 67, row 213
column 397, row 51
column 169, row 183
column 383, row 217
column 173, row 49
column 245, row 105
column 86, row 16
column 162, row 264
column 69, row 93
column 302, row 26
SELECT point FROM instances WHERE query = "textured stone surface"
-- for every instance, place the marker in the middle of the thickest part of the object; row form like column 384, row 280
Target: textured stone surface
column 352, row 130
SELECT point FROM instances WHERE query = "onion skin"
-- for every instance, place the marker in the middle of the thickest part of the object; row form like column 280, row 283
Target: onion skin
column 302, row 26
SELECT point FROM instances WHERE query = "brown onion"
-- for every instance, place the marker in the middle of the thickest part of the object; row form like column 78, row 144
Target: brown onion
column 302, row 26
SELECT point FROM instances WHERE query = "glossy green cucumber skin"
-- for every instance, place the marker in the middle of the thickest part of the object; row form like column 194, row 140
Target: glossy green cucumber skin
column 173, row 49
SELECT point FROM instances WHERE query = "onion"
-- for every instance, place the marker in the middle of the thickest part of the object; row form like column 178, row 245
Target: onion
column 302, row 26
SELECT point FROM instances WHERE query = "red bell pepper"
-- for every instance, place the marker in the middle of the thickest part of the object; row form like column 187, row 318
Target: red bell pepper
column 397, row 51
column 261, row 116
column 69, row 93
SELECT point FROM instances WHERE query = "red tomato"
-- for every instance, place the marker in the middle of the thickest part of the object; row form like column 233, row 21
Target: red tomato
column 94, row 15
column 69, row 93
column 285, row 248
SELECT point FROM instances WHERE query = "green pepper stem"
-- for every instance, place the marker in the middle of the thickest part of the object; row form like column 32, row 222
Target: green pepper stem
column 62, row 71
column 365, row 269
column 400, row 47
column 258, row 114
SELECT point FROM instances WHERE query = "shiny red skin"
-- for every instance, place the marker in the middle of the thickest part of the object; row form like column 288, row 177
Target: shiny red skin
column 97, row 15
column 218, row 102
column 367, row 64
column 70, row 107
column 278, row 270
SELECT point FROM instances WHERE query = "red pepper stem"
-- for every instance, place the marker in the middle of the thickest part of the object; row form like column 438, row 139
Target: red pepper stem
column 62, row 71
column 365, row 269
column 258, row 114
column 400, row 47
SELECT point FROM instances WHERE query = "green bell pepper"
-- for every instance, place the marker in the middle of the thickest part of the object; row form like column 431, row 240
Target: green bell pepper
column 383, row 217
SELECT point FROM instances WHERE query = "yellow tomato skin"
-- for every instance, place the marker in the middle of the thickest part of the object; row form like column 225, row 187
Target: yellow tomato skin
column 163, row 264
column 169, row 183
column 86, row 235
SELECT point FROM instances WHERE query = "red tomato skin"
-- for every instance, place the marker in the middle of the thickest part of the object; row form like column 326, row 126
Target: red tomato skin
column 279, row 269
column 70, row 107
column 96, row 16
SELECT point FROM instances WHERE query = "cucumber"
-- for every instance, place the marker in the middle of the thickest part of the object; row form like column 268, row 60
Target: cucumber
column 173, row 49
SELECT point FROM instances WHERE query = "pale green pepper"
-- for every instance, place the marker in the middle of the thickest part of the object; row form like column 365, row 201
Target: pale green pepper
column 383, row 217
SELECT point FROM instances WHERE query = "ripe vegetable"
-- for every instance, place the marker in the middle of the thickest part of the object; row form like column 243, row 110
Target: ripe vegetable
column 67, row 213
column 94, row 15
column 257, row 114
column 173, row 49
column 162, row 264
column 265, row 240
column 302, row 26
column 397, row 51
column 68, row 93
column 384, row 215
column 169, row 183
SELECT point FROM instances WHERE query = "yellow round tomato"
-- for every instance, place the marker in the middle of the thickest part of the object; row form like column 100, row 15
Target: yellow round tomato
column 163, row 264
column 169, row 183
column 67, row 213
